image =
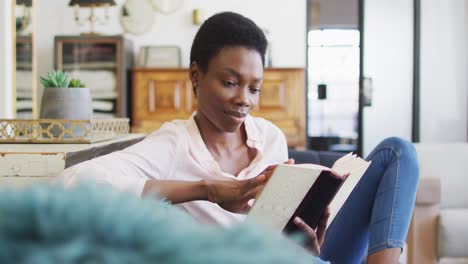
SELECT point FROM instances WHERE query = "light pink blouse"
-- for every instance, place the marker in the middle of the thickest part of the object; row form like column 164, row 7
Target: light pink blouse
column 177, row 152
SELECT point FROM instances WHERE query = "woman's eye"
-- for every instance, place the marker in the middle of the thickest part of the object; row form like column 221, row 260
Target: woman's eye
column 254, row 90
column 229, row 84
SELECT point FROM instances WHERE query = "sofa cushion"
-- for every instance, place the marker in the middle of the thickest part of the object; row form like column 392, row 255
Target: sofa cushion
column 449, row 163
column 453, row 261
column 453, row 233
column 304, row 156
column 325, row 158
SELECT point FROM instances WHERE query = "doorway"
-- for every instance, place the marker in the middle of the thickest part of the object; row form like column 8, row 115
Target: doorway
column 333, row 74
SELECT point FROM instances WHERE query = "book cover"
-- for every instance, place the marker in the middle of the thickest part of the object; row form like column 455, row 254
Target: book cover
column 305, row 190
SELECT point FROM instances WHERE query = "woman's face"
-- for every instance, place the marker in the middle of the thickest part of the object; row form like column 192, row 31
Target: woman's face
column 230, row 87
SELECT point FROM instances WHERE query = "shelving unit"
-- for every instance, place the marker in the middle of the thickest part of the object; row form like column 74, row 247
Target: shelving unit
column 24, row 91
column 102, row 63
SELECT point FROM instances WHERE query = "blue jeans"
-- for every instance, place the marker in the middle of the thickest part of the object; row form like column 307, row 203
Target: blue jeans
column 378, row 212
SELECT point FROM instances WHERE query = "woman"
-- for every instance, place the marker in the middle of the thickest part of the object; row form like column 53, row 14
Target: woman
column 219, row 159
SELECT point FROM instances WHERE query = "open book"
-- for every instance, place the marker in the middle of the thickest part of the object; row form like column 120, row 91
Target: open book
column 305, row 190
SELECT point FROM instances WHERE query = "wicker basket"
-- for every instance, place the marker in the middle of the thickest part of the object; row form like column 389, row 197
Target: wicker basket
column 61, row 130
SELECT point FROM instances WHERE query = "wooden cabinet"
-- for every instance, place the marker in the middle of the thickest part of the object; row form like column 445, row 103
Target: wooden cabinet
column 161, row 95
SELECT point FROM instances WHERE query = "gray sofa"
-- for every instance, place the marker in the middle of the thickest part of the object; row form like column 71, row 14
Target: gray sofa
column 439, row 230
column 325, row 158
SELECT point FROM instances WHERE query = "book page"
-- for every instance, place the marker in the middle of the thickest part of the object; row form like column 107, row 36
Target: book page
column 356, row 167
column 346, row 157
column 349, row 166
column 312, row 166
column 282, row 195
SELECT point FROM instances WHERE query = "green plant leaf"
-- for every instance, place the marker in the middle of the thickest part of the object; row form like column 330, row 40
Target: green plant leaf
column 45, row 82
column 54, row 83
column 66, row 82
column 59, row 79
column 75, row 83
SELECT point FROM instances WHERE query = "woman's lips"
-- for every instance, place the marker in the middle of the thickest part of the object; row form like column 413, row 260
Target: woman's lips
column 236, row 115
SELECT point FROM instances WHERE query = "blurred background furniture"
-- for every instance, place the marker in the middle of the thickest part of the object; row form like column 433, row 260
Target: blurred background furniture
column 22, row 164
column 439, row 230
column 24, row 77
column 102, row 63
column 325, row 158
column 164, row 94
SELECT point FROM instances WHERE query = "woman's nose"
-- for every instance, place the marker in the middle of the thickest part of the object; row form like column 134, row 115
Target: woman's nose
column 242, row 97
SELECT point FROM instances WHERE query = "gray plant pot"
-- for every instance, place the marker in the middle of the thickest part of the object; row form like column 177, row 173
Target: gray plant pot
column 66, row 103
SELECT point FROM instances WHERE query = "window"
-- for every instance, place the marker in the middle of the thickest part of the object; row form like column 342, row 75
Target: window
column 333, row 56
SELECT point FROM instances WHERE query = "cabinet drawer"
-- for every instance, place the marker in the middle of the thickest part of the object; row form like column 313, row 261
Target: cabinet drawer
column 158, row 96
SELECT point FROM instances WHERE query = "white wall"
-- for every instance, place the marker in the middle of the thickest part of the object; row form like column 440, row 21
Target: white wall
column 444, row 70
column 286, row 23
column 6, row 60
column 388, row 59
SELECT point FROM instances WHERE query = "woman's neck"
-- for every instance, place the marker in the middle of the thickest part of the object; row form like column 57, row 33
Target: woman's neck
column 220, row 141
column 228, row 149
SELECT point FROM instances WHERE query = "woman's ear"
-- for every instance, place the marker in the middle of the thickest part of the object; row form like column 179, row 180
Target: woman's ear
column 194, row 73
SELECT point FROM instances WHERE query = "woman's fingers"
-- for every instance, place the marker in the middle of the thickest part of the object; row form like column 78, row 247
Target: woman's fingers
column 245, row 208
column 252, row 187
column 260, row 180
column 312, row 244
column 306, row 228
column 322, row 226
column 253, row 193
column 271, row 168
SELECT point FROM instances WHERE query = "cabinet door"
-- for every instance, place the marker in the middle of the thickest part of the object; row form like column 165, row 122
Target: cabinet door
column 161, row 96
column 282, row 102
column 273, row 98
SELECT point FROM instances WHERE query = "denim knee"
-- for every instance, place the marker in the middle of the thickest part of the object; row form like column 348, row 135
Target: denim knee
column 406, row 153
column 403, row 147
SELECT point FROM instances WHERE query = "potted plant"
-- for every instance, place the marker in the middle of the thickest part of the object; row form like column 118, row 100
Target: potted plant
column 65, row 98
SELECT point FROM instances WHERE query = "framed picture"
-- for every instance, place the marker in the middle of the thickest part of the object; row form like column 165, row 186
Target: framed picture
column 159, row 57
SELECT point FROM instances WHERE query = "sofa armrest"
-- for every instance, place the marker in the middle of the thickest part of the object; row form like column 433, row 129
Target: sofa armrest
column 429, row 192
column 422, row 236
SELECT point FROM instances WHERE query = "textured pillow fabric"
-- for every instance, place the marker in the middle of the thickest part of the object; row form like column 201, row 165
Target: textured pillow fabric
column 94, row 224
column 453, row 233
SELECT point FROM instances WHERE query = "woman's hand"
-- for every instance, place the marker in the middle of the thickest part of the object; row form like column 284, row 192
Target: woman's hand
column 234, row 195
column 269, row 170
column 314, row 237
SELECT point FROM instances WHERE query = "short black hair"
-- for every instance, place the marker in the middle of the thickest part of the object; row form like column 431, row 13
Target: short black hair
column 222, row 30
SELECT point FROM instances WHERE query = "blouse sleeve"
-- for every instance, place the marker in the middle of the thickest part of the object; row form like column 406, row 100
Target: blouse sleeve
column 129, row 169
